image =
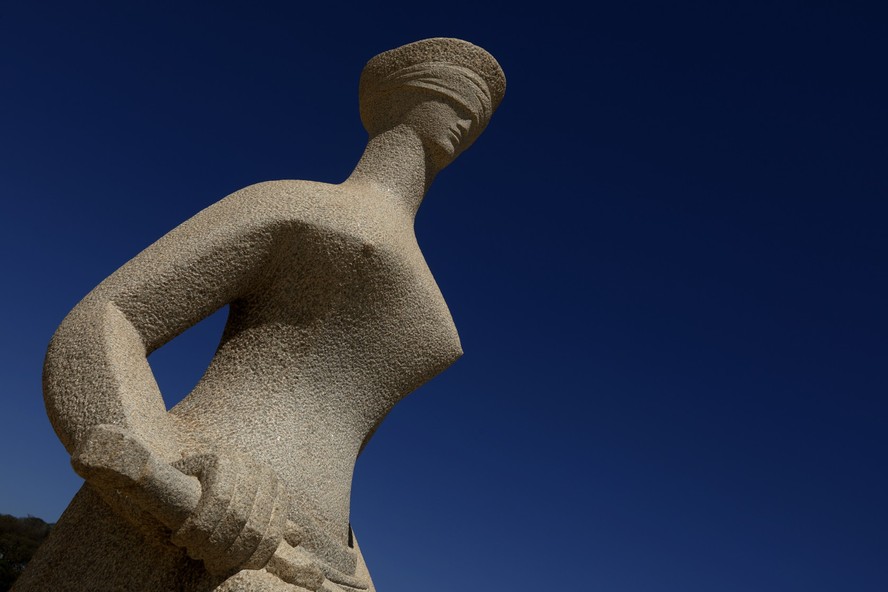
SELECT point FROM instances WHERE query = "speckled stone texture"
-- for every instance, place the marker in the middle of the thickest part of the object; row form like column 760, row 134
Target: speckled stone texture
column 334, row 317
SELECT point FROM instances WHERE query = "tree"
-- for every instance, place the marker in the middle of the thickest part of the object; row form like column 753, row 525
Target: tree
column 19, row 539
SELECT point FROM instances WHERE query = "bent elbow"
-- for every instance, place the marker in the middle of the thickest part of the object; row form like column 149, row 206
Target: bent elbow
column 76, row 370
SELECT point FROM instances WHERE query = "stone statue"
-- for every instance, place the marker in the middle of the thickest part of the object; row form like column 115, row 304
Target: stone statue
column 334, row 317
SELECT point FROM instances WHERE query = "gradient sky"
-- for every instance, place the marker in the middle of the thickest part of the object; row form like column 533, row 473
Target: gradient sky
column 666, row 258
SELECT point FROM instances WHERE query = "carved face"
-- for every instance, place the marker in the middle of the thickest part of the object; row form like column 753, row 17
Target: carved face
column 444, row 126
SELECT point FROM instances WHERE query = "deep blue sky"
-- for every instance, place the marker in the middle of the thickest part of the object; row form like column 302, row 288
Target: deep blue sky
column 666, row 258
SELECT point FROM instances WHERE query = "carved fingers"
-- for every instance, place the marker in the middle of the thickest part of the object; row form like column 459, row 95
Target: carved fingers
column 228, row 512
column 239, row 521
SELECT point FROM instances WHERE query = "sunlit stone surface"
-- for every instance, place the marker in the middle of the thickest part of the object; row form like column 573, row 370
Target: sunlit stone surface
column 334, row 318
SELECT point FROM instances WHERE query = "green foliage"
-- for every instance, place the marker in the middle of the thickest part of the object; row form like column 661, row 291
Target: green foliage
column 19, row 538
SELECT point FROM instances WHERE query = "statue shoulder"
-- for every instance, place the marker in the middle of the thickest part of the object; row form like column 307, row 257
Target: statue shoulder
column 278, row 203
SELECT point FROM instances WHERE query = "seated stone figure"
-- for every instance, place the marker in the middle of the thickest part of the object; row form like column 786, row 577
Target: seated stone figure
column 334, row 317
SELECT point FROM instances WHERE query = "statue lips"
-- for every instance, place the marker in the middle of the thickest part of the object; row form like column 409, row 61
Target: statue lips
column 455, row 137
column 458, row 132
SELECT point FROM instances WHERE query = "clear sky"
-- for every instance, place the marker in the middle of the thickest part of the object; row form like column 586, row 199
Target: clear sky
column 666, row 258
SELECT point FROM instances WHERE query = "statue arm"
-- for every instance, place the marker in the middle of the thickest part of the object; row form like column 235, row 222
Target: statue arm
column 108, row 411
column 96, row 369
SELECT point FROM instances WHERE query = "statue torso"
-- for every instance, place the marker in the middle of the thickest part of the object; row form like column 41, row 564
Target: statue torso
column 344, row 321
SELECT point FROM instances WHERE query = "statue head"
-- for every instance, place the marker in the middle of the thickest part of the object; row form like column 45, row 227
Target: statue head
column 445, row 89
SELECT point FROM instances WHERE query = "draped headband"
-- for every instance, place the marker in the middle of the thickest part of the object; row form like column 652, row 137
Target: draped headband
column 451, row 68
column 453, row 82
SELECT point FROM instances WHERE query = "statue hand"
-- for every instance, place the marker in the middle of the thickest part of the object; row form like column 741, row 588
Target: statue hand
column 227, row 512
column 224, row 512
column 238, row 521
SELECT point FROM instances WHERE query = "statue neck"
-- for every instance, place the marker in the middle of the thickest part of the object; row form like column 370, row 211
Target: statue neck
column 396, row 165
